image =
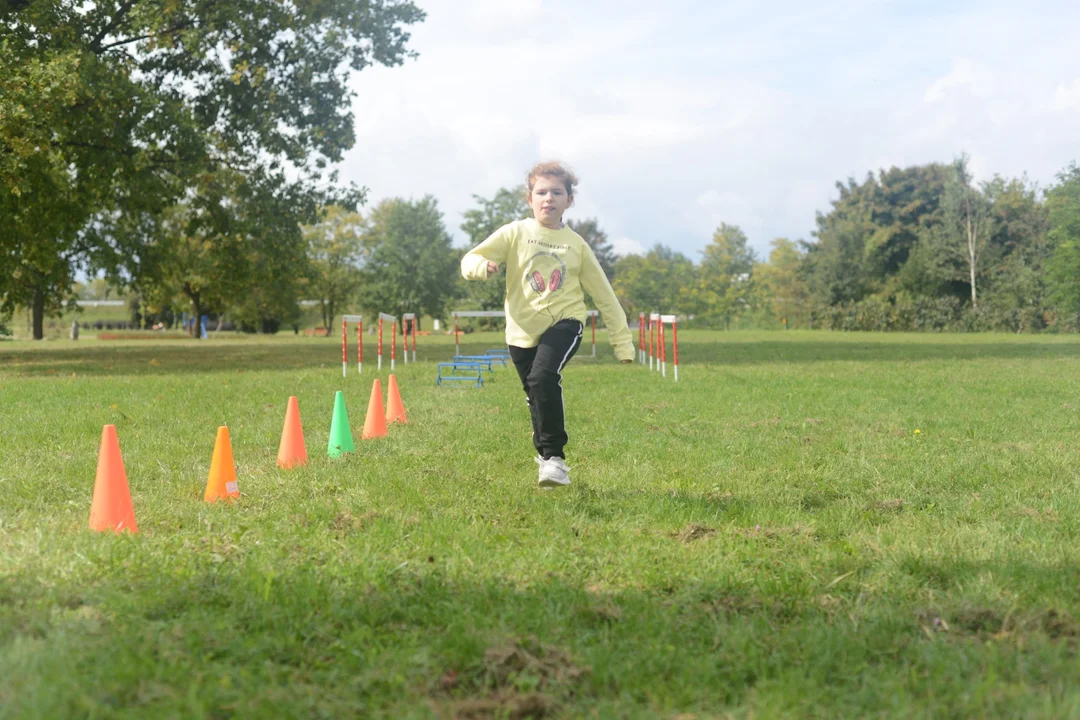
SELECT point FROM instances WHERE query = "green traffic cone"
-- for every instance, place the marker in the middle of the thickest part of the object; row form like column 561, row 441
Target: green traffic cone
column 340, row 434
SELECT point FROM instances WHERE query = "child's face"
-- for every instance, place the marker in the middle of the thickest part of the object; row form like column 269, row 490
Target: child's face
column 549, row 200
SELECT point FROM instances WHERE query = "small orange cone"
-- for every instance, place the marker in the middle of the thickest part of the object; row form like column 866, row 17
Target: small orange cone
column 395, row 410
column 111, row 508
column 375, row 422
column 292, row 452
column 222, row 480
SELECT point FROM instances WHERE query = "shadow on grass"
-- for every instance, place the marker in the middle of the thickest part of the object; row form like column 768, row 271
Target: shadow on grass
column 322, row 640
column 215, row 356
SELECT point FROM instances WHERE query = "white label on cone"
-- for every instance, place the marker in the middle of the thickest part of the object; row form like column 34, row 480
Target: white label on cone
column 231, row 487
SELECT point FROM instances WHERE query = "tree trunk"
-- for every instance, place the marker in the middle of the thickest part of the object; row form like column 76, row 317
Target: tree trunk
column 196, row 329
column 39, row 312
column 328, row 316
column 974, row 297
column 197, row 306
column 972, row 227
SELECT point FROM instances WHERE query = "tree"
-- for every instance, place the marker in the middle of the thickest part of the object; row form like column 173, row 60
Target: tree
column 234, row 246
column 968, row 223
column 597, row 239
column 63, row 123
column 780, row 283
column 506, row 206
column 872, row 231
column 119, row 106
column 408, row 262
column 1063, row 202
column 1017, row 255
column 722, row 285
column 659, row 281
column 334, row 252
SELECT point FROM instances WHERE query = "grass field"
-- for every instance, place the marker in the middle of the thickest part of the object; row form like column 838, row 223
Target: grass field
column 807, row 525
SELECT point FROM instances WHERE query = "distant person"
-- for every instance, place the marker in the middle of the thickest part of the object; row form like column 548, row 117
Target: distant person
column 548, row 266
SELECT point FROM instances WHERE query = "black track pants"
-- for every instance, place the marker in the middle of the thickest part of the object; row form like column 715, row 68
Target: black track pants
column 540, row 369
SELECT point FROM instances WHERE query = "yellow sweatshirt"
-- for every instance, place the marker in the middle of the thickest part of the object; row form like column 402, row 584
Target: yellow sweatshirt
column 546, row 271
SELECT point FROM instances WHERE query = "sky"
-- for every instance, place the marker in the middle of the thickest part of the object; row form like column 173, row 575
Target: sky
column 683, row 114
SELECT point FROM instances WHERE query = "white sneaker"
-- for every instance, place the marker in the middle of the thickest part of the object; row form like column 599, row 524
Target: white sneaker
column 553, row 472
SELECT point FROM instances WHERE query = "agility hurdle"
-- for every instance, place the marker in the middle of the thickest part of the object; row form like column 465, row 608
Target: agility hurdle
column 409, row 322
column 592, row 316
column 658, row 343
column 359, row 320
column 641, row 355
column 393, row 339
column 501, row 314
column 474, row 314
column 654, row 359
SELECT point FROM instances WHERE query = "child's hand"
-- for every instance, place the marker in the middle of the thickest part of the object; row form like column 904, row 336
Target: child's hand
column 492, row 268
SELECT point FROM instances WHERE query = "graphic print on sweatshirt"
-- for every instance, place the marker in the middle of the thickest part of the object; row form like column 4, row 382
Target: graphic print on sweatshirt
column 546, row 272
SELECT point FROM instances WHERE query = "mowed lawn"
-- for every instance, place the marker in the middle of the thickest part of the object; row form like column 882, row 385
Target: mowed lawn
column 806, row 525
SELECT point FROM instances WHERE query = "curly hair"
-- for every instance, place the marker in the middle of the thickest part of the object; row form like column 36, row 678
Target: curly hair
column 553, row 169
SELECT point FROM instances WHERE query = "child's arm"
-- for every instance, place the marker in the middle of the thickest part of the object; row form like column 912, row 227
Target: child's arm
column 596, row 284
column 475, row 264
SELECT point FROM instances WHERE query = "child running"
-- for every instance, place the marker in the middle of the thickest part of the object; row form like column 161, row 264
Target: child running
column 548, row 266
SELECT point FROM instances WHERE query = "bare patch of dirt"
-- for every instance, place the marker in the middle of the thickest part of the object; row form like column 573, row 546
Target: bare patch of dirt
column 720, row 497
column 1047, row 515
column 518, row 679
column 603, row 613
column 345, row 522
column 512, row 706
column 1058, row 625
column 545, row 665
column 693, row 532
column 772, row 532
column 991, row 624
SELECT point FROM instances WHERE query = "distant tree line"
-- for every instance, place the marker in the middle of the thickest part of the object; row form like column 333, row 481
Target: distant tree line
column 181, row 154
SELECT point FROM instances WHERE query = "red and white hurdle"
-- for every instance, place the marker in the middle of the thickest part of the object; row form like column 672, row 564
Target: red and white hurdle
column 470, row 314
column 592, row 314
column 345, row 320
column 393, row 339
column 592, row 317
column 409, row 321
column 642, row 352
column 658, row 343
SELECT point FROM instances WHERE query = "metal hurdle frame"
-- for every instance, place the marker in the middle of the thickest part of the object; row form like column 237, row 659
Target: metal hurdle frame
column 393, row 339
column 592, row 316
column 654, row 359
column 642, row 354
column 658, row 341
column 408, row 320
column 475, row 314
column 359, row 320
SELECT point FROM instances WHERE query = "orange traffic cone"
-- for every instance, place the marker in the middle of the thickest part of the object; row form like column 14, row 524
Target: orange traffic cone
column 222, row 480
column 375, row 422
column 111, row 508
column 395, row 410
column 292, row 452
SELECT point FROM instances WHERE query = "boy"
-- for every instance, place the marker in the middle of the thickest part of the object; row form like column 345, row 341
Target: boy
column 547, row 267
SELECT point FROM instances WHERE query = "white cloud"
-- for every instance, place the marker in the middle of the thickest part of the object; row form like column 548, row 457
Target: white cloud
column 1067, row 97
column 674, row 128
column 623, row 245
column 965, row 77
